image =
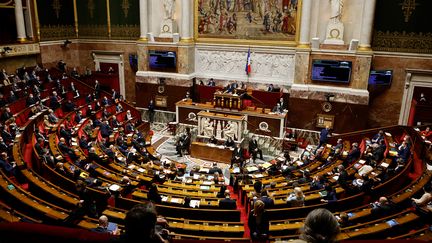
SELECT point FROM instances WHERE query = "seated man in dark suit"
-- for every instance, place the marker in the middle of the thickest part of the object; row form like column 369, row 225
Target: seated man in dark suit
column 83, row 143
column 404, row 151
column 213, row 140
column 30, row 100
column 254, row 150
column 65, row 133
column 229, row 143
column 6, row 114
column 237, row 156
column 227, row 202
column 277, row 108
column 105, row 129
column 268, row 201
column 382, row 207
column 69, row 106
column 40, row 147
column 93, row 157
column 215, row 169
column 353, row 155
column 66, row 150
column 78, row 117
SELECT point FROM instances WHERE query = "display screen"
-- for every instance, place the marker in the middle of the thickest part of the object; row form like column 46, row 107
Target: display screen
column 380, row 77
column 162, row 60
column 331, row 71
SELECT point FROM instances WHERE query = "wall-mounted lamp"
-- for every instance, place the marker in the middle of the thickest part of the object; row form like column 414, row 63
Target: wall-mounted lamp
column 66, row 43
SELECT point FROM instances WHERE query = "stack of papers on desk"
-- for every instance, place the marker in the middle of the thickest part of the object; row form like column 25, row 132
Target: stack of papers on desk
column 194, row 203
column 175, row 200
column 196, row 176
column 388, row 134
column 164, row 198
column 131, row 167
column 252, row 169
column 204, row 187
column 207, row 183
column 204, row 170
column 384, row 164
column 236, row 170
column 362, row 162
column 266, row 165
column 141, row 170
column 114, row 187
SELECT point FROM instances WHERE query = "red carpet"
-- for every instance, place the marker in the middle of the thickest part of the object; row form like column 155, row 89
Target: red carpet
column 243, row 213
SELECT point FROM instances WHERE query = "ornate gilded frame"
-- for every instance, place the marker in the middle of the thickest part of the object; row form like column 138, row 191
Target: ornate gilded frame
column 248, row 41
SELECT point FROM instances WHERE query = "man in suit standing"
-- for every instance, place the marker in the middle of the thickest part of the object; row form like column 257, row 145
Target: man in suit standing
column 282, row 104
column 237, row 156
column 97, row 89
column 324, row 135
column 227, row 202
column 54, row 101
column 254, row 150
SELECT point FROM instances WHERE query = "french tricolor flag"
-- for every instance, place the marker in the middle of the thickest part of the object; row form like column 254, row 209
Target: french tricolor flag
column 248, row 63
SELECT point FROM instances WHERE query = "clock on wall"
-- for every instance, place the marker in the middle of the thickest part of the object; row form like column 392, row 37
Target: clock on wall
column 165, row 28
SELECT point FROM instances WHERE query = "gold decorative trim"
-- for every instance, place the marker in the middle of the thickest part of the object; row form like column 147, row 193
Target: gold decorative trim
column 56, row 7
column 364, row 48
column 304, row 46
column 56, row 32
column 266, row 42
column 408, row 7
column 187, row 40
column 37, row 20
column 402, row 42
column 76, row 18
column 125, row 6
column 93, row 31
column 126, row 32
column 108, row 18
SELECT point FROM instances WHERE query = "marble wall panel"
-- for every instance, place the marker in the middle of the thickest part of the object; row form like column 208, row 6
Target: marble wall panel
column 385, row 105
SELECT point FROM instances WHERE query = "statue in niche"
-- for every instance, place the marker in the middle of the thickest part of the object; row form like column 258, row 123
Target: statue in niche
column 336, row 10
column 231, row 130
column 207, row 127
column 169, row 8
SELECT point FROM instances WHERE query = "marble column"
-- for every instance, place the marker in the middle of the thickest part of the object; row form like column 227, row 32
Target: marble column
column 305, row 23
column 186, row 8
column 143, row 5
column 19, row 19
column 367, row 25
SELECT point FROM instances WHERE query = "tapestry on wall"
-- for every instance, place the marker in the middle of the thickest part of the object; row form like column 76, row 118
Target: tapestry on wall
column 403, row 26
column 56, row 19
column 274, row 20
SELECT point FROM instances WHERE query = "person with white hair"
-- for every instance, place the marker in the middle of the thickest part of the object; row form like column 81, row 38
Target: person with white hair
column 103, row 224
